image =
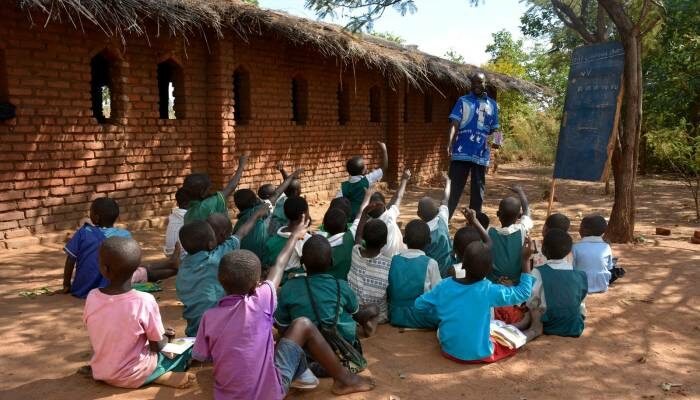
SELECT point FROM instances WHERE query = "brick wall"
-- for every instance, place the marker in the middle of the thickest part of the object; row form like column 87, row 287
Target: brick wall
column 55, row 157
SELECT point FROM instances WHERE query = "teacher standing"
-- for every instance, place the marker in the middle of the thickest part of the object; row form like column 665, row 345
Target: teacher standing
column 472, row 120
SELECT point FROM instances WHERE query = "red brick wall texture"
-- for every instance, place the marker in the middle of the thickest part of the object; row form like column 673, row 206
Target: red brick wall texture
column 55, row 157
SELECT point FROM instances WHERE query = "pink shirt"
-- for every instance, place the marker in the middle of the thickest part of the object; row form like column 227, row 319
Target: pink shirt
column 120, row 327
column 237, row 336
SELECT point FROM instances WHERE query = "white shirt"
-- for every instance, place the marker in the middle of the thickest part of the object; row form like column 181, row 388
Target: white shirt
column 394, row 238
column 337, row 239
column 525, row 224
column 295, row 258
column 537, row 298
column 373, row 177
column 172, row 232
column 444, row 214
column 432, row 275
column 460, row 272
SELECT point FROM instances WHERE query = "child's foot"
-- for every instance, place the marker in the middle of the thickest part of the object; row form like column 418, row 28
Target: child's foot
column 370, row 326
column 85, row 370
column 178, row 380
column 354, row 384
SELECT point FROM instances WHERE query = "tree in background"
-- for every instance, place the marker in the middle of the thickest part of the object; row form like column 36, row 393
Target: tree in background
column 388, row 36
column 455, row 57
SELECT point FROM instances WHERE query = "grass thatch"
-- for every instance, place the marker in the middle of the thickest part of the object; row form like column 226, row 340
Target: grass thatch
column 197, row 17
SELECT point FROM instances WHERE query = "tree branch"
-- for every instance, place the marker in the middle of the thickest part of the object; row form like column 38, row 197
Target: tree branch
column 600, row 25
column 616, row 11
column 567, row 15
column 649, row 25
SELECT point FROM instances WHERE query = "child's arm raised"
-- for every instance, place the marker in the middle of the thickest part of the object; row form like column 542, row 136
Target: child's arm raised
column 250, row 223
column 281, row 188
column 398, row 196
column 448, row 186
column 470, row 215
column 517, row 189
column 68, row 274
column 277, row 270
column 280, row 168
column 363, row 221
column 242, row 161
column 385, row 157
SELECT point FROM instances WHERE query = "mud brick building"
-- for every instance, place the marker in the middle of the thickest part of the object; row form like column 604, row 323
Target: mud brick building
column 126, row 98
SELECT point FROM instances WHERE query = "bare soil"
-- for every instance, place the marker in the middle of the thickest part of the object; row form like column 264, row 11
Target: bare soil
column 641, row 335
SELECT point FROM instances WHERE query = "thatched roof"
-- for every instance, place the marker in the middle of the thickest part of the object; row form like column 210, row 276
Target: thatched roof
column 188, row 18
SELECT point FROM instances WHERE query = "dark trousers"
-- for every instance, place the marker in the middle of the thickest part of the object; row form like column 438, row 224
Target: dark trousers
column 459, row 172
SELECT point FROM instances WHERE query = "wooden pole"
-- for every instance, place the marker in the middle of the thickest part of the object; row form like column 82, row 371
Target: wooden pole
column 551, row 196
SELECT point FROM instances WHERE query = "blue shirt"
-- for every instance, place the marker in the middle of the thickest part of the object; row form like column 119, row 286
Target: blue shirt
column 464, row 312
column 84, row 246
column 594, row 257
column 477, row 118
column 197, row 282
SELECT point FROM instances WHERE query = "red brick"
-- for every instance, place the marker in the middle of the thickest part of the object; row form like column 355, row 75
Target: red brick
column 11, row 216
column 17, row 233
column 28, row 203
column 11, row 195
column 104, row 187
column 19, row 243
column 8, row 225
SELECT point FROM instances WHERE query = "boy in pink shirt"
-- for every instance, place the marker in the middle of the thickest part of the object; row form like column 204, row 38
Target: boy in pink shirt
column 237, row 335
column 125, row 329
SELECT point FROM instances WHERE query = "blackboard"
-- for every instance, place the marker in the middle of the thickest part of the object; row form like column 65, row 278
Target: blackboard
column 591, row 112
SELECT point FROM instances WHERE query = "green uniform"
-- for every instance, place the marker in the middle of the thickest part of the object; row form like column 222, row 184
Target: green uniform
column 440, row 247
column 278, row 219
column 342, row 254
column 564, row 291
column 506, row 251
column 355, row 192
column 256, row 238
column 273, row 248
column 199, row 210
column 406, row 284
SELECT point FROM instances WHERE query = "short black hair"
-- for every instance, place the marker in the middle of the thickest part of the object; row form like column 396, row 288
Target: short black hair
column 483, row 219
column 355, row 166
column 106, row 210
column 182, row 198
column 556, row 244
column 244, row 199
column 221, row 225
column 463, row 237
column 377, row 198
column 594, row 225
column 558, row 221
column 196, row 236
column 375, row 233
column 344, row 204
column 294, row 188
column 509, row 209
column 122, row 255
column 317, row 255
column 266, row 191
column 417, row 234
column 196, row 185
column 427, row 209
column 335, row 221
column 295, row 208
column 477, row 260
column 239, row 271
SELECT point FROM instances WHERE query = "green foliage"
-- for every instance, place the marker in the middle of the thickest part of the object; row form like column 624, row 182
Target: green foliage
column 253, row 2
column 455, row 57
column 390, row 36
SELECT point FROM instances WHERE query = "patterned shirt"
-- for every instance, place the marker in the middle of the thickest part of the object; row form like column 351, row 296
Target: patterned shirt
column 477, row 118
column 369, row 278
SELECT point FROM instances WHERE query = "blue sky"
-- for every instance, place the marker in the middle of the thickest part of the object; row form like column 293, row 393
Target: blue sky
column 439, row 25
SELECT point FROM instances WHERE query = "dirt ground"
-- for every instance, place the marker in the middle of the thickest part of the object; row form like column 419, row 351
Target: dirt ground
column 641, row 335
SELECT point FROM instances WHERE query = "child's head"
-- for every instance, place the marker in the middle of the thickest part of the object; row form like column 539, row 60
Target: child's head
column 556, row 221
column 508, row 211
column 477, row 260
column 342, row 203
column 197, row 185
column 295, row 208
column 417, row 234
column 221, row 225
column 356, row 166
column 316, row 255
column 119, row 258
column 463, row 237
column 593, row 225
column 377, row 198
column 556, row 244
column 335, row 221
column 266, row 191
column 239, row 272
column 197, row 236
column 182, row 198
column 483, row 219
column 244, row 199
column 427, row 209
column 294, row 188
column 104, row 212
column 374, row 234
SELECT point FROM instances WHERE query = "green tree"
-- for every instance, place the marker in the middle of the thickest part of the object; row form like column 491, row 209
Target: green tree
column 390, row 36
column 455, row 57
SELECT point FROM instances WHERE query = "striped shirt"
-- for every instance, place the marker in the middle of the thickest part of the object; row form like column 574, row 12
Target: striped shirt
column 369, row 278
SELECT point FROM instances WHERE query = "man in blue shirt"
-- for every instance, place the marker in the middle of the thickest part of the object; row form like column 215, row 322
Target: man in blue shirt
column 473, row 118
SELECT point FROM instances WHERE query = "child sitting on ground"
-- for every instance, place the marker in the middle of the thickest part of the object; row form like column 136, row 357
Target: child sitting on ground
column 253, row 368
column 554, row 221
column 411, row 274
column 509, row 239
column 175, row 222
column 296, row 211
column 437, row 217
column 196, row 284
column 201, row 205
column 319, row 289
column 593, row 255
column 473, row 232
column 559, row 290
column 125, row 328
column 82, row 249
column 354, row 188
column 278, row 219
column 463, row 305
column 389, row 213
column 369, row 270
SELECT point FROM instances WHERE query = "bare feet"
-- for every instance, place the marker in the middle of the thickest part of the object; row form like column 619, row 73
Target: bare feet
column 179, row 380
column 354, row 384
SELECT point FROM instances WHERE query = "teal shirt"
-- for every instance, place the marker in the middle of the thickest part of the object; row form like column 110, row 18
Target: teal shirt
column 406, row 284
column 342, row 256
column 199, row 210
column 440, row 247
column 256, row 238
column 294, row 303
column 564, row 291
column 355, row 192
column 278, row 219
column 506, row 251
column 197, row 283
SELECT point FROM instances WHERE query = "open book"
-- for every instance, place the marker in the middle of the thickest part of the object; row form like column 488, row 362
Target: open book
column 507, row 335
column 177, row 347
